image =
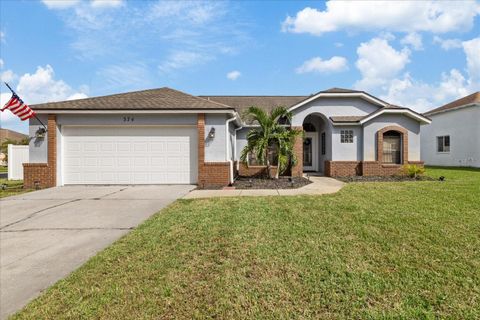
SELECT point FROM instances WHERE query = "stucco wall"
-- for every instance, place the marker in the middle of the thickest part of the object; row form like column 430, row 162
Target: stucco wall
column 333, row 107
column 347, row 151
column 241, row 141
column 463, row 127
column 371, row 127
column 215, row 148
column 38, row 146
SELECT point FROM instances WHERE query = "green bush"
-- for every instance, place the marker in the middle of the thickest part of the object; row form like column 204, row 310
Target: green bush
column 413, row 171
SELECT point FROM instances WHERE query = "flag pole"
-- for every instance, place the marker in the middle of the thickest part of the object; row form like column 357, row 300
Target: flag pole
column 35, row 115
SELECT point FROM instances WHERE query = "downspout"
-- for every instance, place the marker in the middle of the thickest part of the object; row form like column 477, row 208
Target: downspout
column 227, row 144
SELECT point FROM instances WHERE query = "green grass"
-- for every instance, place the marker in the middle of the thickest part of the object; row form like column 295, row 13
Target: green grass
column 400, row 250
column 13, row 187
column 3, row 169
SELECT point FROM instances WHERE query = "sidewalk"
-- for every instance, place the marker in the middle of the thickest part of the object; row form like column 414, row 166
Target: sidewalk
column 319, row 185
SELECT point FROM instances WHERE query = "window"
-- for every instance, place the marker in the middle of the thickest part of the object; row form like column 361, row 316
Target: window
column 346, row 136
column 443, row 144
column 323, row 143
column 392, row 147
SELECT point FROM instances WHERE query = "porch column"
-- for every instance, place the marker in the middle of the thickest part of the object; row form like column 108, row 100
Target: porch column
column 297, row 170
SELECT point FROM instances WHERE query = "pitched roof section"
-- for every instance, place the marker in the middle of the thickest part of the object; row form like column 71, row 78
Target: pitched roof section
column 470, row 99
column 153, row 99
column 346, row 119
column 242, row 103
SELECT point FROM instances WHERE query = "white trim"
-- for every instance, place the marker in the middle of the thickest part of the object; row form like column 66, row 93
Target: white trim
column 338, row 95
column 227, row 143
column 397, row 111
column 180, row 111
column 314, row 137
column 345, row 123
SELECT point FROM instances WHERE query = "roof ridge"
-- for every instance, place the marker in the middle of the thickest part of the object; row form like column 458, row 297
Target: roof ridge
column 106, row 96
column 468, row 99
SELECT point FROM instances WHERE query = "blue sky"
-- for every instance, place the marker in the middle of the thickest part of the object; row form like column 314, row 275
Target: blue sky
column 418, row 54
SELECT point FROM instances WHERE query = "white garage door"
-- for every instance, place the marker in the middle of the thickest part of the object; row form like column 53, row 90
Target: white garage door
column 129, row 155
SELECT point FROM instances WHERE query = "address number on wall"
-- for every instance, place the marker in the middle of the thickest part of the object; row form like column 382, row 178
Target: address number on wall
column 128, row 119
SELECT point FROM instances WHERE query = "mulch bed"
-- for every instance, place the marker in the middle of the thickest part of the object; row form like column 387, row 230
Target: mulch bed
column 384, row 178
column 265, row 183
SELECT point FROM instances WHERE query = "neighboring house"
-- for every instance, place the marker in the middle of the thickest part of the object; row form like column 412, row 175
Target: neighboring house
column 6, row 134
column 164, row 136
column 453, row 138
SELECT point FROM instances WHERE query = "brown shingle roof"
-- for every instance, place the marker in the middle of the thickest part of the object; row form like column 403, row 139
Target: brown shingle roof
column 153, row 99
column 242, row 103
column 472, row 98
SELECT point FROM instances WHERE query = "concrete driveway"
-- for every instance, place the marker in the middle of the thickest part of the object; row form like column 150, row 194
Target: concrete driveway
column 45, row 235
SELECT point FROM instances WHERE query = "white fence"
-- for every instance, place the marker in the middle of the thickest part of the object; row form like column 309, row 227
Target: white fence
column 17, row 156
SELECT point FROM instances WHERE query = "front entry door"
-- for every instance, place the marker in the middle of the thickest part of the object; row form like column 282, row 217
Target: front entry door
column 310, row 152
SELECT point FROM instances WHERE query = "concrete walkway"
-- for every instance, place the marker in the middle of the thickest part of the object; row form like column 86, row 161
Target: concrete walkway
column 46, row 234
column 319, row 185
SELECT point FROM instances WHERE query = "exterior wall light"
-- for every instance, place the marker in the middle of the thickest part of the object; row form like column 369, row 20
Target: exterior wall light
column 40, row 133
column 211, row 134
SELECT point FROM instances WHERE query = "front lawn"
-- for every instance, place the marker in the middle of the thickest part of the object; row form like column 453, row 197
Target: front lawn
column 11, row 187
column 396, row 250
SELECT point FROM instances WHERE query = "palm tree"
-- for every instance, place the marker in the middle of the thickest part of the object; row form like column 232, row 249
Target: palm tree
column 271, row 135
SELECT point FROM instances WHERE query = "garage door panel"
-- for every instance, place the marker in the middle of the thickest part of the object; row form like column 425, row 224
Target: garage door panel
column 133, row 155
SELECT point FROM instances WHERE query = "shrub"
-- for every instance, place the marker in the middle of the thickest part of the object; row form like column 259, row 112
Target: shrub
column 413, row 171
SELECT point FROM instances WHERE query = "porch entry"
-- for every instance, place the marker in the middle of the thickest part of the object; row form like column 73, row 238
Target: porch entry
column 310, row 152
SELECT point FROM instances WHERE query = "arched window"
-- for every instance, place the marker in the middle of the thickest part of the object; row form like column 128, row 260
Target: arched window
column 392, row 147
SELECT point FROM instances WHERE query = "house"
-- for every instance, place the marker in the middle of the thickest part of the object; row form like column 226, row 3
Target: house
column 164, row 136
column 453, row 138
column 7, row 134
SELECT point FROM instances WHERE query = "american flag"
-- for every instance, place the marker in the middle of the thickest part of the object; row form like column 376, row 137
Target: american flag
column 18, row 107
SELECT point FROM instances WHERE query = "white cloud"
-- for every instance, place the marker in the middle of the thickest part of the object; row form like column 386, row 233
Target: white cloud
column 1, row 63
column 233, row 75
column 378, row 63
column 421, row 96
column 42, row 86
column 338, row 44
column 8, row 76
column 5, row 116
column 414, row 40
column 448, row 44
column 2, row 37
column 107, row 3
column 472, row 52
column 316, row 64
column 60, row 4
column 397, row 16
column 124, row 77
column 66, row 4
column 196, row 12
column 182, row 59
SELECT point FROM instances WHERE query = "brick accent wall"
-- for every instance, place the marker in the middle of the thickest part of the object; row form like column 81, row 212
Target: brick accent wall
column 404, row 137
column 297, row 170
column 343, row 168
column 44, row 175
column 210, row 174
column 252, row 171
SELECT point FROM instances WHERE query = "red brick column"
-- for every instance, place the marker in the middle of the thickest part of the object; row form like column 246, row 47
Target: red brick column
column 209, row 173
column 44, row 175
column 297, row 169
column 201, row 149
